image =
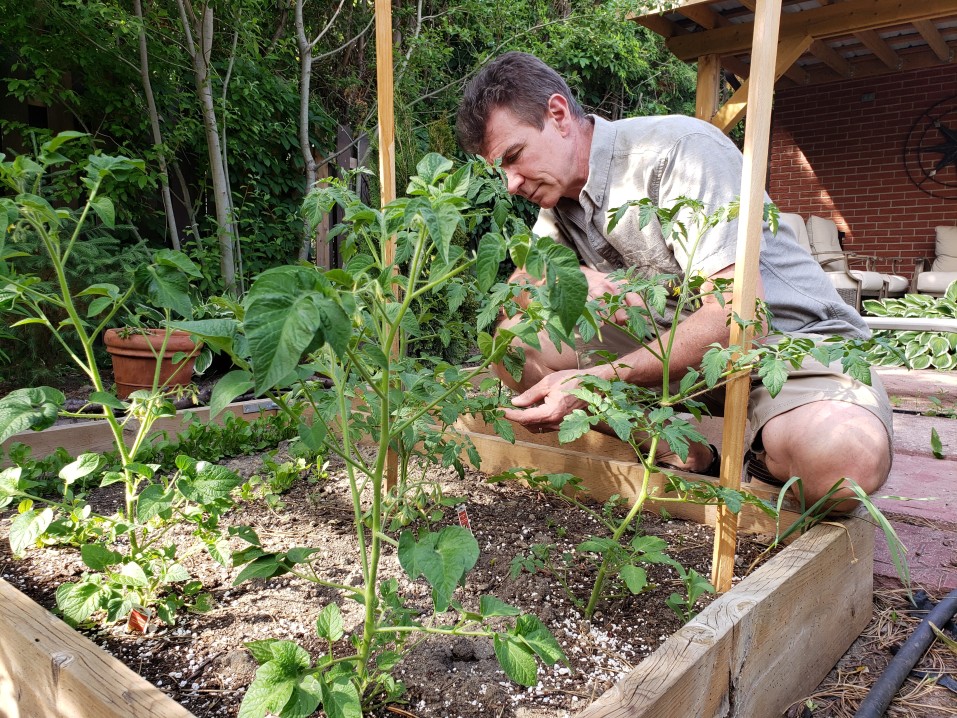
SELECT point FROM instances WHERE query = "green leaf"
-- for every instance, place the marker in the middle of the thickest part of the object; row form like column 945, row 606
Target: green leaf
column 286, row 314
column 212, row 482
column 78, row 601
column 27, row 527
column 539, row 638
column 166, row 287
column 490, row 255
column 935, row 444
column 153, row 501
column 263, row 567
column 329, row 623
column 432, row 166
column 84, row 465
column 103, row 206
column 34, row 408
column 443, row 558
column 261, row 650
column 53, row 144
column 441, row 220
column 235, row 383
column 567, row 294
column 274, row 683
column 104, row 398
column 516, row 660
column 491, row 606
column 131, row 574
column 773, row 373
column 340, row 699
column 175, row 573
column 635, row 578
column 98, row 557
column 306, row 698
column 575, row 425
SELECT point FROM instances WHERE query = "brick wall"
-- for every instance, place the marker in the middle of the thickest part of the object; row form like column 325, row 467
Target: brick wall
column 837, row 153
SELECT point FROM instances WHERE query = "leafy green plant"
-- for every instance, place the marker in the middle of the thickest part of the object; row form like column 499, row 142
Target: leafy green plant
column 336, row 341
column 128, row 539
column 916, row 350
column 695, row 586
column 648, row 417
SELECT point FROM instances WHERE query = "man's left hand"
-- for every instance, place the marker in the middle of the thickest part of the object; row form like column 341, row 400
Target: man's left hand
column 543, row 406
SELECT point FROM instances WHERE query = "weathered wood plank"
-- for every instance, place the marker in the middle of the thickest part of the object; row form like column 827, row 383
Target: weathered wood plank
column 47, row 669
column 95, row 436
column 605, row 469
column 764, row 644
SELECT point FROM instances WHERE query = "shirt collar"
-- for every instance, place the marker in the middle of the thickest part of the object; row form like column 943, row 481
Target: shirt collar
column 599, row 161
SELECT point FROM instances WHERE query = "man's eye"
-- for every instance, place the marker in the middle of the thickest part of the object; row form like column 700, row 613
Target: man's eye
column 512, row 158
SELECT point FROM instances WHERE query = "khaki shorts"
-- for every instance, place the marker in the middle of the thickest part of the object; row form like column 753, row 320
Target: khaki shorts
column 812, row 382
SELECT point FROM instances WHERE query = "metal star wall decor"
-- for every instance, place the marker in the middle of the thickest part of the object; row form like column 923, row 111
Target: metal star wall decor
column 930, row 153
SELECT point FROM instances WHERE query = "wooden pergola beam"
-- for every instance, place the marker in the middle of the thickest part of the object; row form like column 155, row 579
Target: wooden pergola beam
column 830, row 57
column 873, row 42
column 935, row 41
column 734, row 110
column 704, row 16
column 844, row 18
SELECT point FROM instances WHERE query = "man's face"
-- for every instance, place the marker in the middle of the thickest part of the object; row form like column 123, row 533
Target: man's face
column 536, row 162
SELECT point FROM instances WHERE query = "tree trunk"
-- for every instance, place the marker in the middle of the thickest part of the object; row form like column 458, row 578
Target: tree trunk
column 222, row 197
column 305, row 87
column 155, row 127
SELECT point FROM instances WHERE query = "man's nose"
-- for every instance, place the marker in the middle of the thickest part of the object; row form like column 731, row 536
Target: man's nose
column 515, row 181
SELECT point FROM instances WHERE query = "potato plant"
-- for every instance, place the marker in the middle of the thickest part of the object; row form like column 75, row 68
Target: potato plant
column 128, row 560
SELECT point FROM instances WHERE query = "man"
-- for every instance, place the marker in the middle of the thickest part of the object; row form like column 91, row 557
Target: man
column 824, row 425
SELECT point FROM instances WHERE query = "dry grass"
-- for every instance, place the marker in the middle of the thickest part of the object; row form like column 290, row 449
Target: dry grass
column 846, row 686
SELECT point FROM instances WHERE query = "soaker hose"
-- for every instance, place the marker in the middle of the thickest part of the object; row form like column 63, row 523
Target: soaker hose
column 893, row 677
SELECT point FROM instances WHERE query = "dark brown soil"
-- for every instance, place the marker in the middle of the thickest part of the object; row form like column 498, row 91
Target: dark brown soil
column 202, row 662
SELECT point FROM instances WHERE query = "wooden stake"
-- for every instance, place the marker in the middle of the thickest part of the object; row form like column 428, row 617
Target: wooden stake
column 386, row 102
column 750, row 227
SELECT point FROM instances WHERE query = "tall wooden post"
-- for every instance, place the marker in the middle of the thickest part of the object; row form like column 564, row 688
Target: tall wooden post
column 386, row 102
column 767, row 22
column 709, row 79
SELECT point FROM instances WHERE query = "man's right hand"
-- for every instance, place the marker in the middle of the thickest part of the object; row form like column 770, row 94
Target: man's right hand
column 600, row 285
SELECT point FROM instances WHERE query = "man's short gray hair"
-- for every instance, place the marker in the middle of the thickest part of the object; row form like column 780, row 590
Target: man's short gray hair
column 515, row 81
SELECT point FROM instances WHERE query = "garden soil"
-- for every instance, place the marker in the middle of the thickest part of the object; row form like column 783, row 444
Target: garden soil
column 202, row 662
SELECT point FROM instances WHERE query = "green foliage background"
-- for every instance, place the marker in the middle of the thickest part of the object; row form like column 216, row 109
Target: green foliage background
column 79, row 59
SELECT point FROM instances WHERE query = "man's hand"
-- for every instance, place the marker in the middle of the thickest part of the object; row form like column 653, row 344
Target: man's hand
column 600, row 285
column 548, row 401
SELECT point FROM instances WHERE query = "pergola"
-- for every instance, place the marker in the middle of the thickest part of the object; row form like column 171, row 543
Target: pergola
column 819, row 41
column 758, row 45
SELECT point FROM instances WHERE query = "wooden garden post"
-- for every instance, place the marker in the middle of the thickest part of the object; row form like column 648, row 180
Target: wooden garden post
column 767, row 21
column 386, row 100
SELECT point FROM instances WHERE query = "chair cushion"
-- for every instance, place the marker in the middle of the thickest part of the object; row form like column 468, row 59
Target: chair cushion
column 946, row 250
column 871, row 282
column 935, row 282
column 796, row 223
column 896, row 284
column 822, row 234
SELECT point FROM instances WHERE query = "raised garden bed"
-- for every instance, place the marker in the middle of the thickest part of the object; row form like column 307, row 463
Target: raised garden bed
column 751, row 652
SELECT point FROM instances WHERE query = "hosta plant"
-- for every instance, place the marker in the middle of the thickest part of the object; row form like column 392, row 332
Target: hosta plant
column 916, row 350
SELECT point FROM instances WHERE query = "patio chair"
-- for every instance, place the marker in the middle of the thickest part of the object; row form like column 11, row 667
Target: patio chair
column 933, row 275
column 826, row 249
column 847, row 285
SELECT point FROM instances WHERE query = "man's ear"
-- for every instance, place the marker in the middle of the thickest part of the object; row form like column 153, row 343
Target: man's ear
column 559, row 112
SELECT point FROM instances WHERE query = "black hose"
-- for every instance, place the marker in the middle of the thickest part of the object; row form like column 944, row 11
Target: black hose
column 893, row 677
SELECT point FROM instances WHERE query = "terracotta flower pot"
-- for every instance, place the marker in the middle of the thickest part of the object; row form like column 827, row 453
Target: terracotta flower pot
column 134, row 359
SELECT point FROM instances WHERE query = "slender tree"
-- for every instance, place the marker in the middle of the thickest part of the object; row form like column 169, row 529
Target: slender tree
column 198, row 30
column 155, row 127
